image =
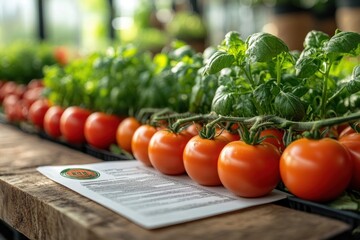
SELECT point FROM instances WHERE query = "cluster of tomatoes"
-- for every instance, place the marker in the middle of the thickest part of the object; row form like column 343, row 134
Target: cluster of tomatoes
column 75, row 125
column 17, row 98
column 317, row 170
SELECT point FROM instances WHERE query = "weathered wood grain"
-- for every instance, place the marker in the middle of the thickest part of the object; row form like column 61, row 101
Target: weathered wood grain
column 43, row 209
column 19, row 150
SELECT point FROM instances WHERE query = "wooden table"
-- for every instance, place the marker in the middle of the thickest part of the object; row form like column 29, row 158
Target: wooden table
column 42, row 209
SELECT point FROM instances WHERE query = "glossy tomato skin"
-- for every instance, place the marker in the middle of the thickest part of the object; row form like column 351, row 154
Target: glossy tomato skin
column 52, row 121
column 31, row 95
column 10, row 105
column 249, row 170
column 316, row 170
column 100, row 129
column 125, row 132
column 140, row 143
column 166, row 151
column 275, row 137
column 227, row 134
column 8, row 87
column 72, row 124
column 37, row 112
column 194, row 129
column 346, row 131
column 352, row 143
column 34, row 83
column 201, row 159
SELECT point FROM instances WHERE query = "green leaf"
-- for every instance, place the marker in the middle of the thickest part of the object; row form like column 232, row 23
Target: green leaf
column 264, row 95
column 289, row 106
column 244, row 106
column 263, row 47
column 161, row 61
column 353, row 86
column 234, row 44
column 208, row 52
column 315, row 39
column 225, row 79
column 233, row 38
column 343, row 43
column 202, row 94
column 223, row 101
column 349, row 200
column 307, row 66
column 300, row 91
column 218, row 61
column 181, row 52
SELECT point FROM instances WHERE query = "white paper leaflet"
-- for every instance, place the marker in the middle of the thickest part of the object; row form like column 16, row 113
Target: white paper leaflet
column 147, row 197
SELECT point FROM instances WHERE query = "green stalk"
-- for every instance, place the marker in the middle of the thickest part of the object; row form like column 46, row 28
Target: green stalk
column 324, row 97
column 278, row 70
column 248, row 75
column 335, row 94
column 183, row 122
column 254, row 124
column 313, row 125
column 210, row 128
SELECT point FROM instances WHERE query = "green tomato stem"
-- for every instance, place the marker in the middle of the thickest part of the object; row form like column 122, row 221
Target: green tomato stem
column 209, row 132
column 252, row 126
column 180, row 123
column 313, row 125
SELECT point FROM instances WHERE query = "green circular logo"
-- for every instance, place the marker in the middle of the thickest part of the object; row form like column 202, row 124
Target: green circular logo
column 79, row 173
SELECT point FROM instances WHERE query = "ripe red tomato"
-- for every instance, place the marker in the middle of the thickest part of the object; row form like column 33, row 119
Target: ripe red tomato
column 194, row 129
column 7, row 88
column 34, row 83
column 20, row 90
column 352, row 143
column 14, row 108
column 316, row 170
column 346, row 131
column 10, row 104
column 52, row 121
column 37, row 112
column 125, row 132
column 230, row 136
column 100, row 129
column 249, row 170
column 31, row 95
column 275, row 137
column 201, row 159
column 140, row 142
column 61, row 55
column 72, row 123
column 166, row 151
column 21, row 110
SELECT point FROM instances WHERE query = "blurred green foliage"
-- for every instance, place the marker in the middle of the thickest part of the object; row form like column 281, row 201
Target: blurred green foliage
column 23, row 61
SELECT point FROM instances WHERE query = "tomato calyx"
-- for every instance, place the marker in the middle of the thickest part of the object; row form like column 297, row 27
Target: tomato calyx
column 179, row 122
column 355, row 126
column 252, row 135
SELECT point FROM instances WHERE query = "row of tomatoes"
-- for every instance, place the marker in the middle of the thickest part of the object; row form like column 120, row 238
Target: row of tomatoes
column 317, row 170
column 16, row 98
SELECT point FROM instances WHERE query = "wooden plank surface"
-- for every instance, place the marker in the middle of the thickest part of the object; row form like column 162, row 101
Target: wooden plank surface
column 43, row 209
